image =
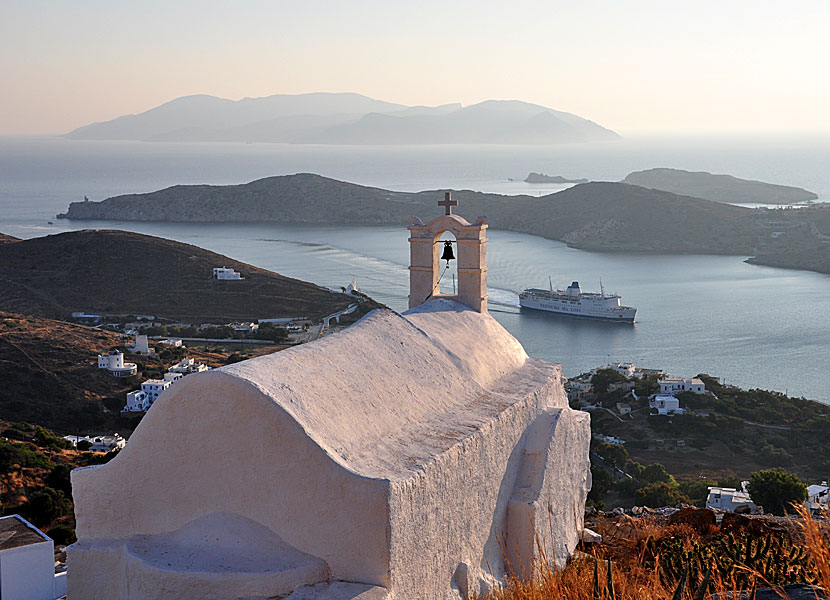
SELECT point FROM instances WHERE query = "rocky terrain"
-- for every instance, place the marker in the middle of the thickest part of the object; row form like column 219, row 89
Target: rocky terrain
column 718, row 188
column 116, row 272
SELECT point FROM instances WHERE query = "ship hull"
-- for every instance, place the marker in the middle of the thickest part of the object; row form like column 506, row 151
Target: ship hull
column 622, row 315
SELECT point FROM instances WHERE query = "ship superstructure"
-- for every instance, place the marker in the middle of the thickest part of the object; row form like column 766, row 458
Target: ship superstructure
column 573, row 302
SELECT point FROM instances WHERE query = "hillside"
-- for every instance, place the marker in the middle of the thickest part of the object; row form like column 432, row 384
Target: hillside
column 718, row 188
column 116, row 272
column 323, row 118
column 50, row 375
column 7, row 239
column 599, row 216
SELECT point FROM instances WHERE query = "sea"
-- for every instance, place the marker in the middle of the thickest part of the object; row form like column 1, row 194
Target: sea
column 752, row 326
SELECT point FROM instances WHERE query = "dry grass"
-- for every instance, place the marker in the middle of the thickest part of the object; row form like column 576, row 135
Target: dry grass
column 627, row 549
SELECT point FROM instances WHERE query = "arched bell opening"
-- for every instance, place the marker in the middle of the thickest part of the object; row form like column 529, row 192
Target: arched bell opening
column 446, row 244
column 431, row 274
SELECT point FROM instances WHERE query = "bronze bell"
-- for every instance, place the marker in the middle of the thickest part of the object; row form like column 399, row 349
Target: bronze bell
column 448, row 253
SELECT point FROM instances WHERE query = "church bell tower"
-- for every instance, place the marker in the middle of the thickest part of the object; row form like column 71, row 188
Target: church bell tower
column 425, row 258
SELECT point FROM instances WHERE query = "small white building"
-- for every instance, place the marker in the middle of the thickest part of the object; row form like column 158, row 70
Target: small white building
column 818, row 498
column 624, row 369
column 624, row 408
column 728, row 499
column 670, row 385
column 108, row 443
column 74, row 439
column 27, row 562
column 665, row 404
column 226, row 274
column 113, row 362
column 154, row 387
column 187, row 366
column 136, row 402
column 641, row 373
column 141, row 345
column 609, row 439
column 173, row 342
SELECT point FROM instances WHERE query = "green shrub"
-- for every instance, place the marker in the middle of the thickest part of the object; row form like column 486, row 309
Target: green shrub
column 62, row 535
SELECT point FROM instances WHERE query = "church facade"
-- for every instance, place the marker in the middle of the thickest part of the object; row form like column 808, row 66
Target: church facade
column 413, row 455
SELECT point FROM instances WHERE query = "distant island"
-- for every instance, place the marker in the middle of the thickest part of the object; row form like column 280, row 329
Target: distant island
column 323, row 118
column 600, row 216
column 718, row 188
column 542, row 178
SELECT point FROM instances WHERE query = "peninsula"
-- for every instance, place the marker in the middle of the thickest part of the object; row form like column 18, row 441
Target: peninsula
column 600, row 216
column 542, row 178
column 718, row 188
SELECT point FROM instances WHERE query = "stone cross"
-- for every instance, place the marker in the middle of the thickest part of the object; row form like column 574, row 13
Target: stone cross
column 448, row 202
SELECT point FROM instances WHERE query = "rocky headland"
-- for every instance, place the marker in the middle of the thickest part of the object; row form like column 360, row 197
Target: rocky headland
column 718, row 188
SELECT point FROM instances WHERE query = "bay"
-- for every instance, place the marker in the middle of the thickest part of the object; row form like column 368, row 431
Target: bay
column 753, row 326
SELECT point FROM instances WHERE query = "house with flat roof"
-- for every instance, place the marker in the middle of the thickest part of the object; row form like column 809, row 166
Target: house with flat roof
column 665, row 404
column 670, row 385
column 728, row 499
column 27, row 562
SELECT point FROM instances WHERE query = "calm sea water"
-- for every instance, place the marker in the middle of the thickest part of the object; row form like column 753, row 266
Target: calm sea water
column 753, row 326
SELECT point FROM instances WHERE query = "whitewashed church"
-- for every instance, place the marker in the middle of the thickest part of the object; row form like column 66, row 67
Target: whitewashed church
column 410, row 456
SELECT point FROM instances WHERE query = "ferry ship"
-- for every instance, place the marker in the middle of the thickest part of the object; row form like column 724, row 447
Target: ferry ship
column 573, row 302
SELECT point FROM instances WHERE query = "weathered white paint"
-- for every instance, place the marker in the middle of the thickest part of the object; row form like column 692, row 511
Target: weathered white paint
column 398, row 452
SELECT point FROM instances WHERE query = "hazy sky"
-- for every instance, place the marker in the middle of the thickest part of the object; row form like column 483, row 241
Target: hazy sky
column 631, row 65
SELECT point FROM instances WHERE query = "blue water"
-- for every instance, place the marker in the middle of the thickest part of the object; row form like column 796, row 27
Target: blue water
column 753, row 326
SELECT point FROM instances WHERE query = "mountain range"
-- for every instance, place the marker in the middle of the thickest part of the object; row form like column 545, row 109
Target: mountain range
column 345, row 118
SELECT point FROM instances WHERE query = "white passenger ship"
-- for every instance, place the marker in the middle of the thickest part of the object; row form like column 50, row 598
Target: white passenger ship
column 574, row 303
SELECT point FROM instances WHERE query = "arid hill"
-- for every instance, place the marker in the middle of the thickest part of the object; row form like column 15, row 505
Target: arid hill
column 7, row 239
column 116, row 272
column 50, row 375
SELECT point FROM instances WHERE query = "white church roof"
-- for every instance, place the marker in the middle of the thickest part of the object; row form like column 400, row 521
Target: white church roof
column 437, row 373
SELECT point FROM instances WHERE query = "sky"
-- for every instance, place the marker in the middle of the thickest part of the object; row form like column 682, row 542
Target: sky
column 635, row 66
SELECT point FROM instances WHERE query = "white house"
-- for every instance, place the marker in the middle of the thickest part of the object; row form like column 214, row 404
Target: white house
column 108, row 443
column 665, row 404
column 728, row 499
column 142, row 400
column 113, row 362
column 818, row 498
column 74, row 439
column 27, row 562
column 624, row 369
column 670, row 385
column 187, row 366
column 226, row 274
column 141, row 345
column 136, row 402
column 173, row 342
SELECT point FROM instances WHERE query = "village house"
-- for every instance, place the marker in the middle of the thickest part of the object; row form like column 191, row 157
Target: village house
column 27, row 562
column 625, row 369
column 728, row 499
column 141, row 345
column 75, row 439
column 409, row 456
column 640, row 373
column 113, row 362
column 818, row 498
column 670, row 385
column 173, row 342
column 187, row 366
column 108, row 443
column 624, row 408
column 226, row 274
column 664, row 404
